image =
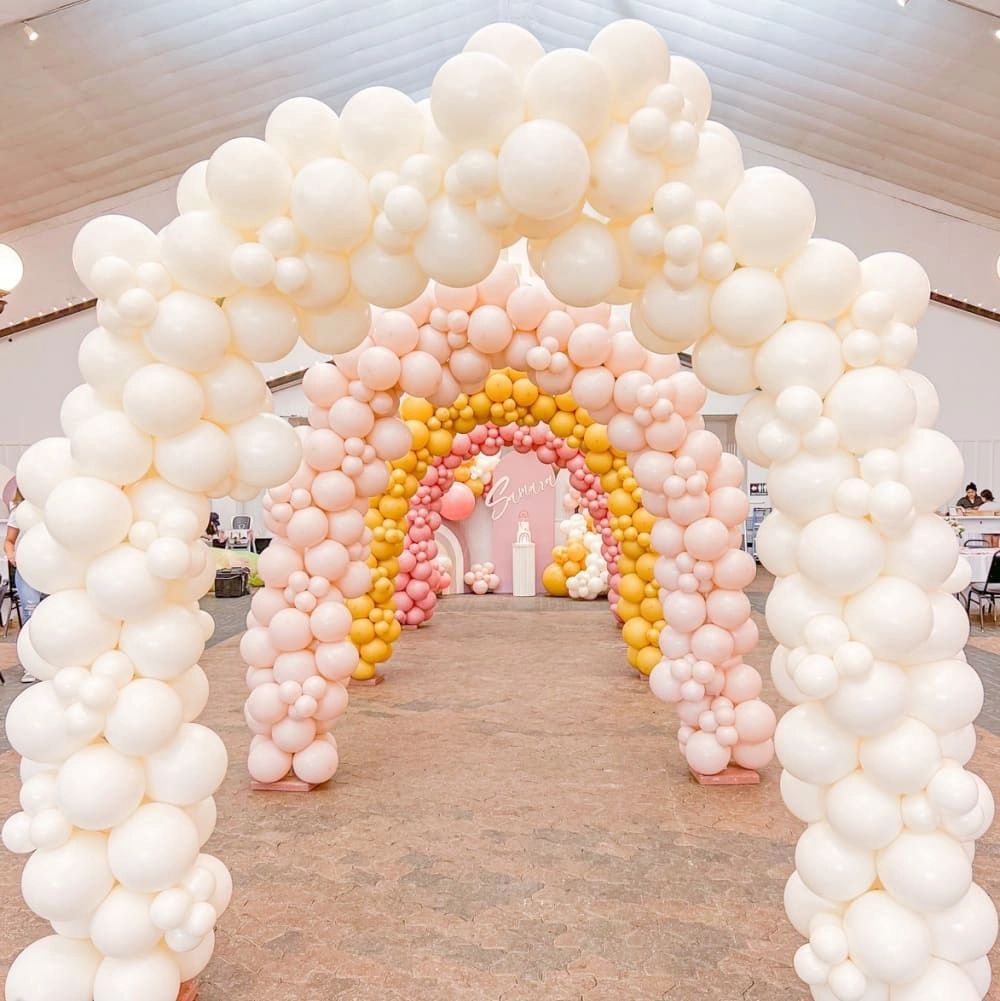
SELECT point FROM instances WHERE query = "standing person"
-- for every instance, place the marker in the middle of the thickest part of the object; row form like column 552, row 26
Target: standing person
column 970, row 501
column 28, row 596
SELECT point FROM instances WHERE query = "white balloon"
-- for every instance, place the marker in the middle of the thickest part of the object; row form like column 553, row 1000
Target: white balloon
column 873, row 408
column 887, row 942
column 192, row 193
column 163, row 645
column 110, row 447
column 162, row 400
column 800, row 353
column 830, row 867
column 925, row 872
column 330, row 204
column 904, row 278
column 932, row 467
column 99, row 788
column 195, row 460
column 197, row 248
column 188, row 769
column 36, row 726
column 476, row 101
column 145, row 718
column 190, row 332
column 945, row 695
column 248, row 182
column 121, row 927
column 379, row 128
column 48, row 564
column 80, row 404
column 580, row 266
column 840, row 554
column 769, row 218
column 54, row 968
column 303, row 129
column 455, row 248
column 966, row 930
column 636, row 59
column 154, row 849
column 67, row 629
column 872, row 703
column 87, row 515
column 903, row 759
column 67, row 883
column 822, row 281
column 264, row 326
column 267, row 450
column 510, row 43
column 153, row 976
column 876, row 617
column 812, row 747
column 804, row 487
column 570, row 86
column 749, row 306
column 863, row 814
column 106, row 362
column 113, row 235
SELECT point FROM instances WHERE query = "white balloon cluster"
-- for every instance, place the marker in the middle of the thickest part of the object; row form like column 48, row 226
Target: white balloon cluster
column 606, row 161
column 592, row 580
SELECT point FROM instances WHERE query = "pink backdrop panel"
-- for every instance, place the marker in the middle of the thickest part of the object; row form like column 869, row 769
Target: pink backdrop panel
column 521, row 483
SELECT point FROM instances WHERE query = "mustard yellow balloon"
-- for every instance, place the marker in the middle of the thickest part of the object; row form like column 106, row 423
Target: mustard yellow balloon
column 554, row 581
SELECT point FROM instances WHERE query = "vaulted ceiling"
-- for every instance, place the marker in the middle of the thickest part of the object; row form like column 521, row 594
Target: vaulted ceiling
column 115, row 95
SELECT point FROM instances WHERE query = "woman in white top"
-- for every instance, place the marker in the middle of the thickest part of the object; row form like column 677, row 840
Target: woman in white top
column 989, row 504
column 28, row 596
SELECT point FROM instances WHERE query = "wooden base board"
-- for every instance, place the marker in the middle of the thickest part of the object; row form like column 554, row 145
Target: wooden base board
column 377, row 680
column 288, row 784
column 642, row 677
column 731, row 776
column 188, row 991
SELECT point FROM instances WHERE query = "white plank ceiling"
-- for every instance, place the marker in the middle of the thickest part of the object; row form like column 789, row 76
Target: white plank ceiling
column 118, row 94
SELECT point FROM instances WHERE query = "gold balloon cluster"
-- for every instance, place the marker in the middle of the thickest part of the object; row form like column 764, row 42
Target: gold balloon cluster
column 508, row 397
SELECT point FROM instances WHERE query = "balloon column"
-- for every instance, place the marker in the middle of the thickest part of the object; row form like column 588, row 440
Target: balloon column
column 295, row 236
column 577, row 569
column 481, row 578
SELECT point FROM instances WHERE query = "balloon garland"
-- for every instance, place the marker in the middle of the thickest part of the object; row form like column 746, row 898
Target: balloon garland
column 606, row 161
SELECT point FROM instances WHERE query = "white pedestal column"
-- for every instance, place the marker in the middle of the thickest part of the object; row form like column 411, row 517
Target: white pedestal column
column 524, row 569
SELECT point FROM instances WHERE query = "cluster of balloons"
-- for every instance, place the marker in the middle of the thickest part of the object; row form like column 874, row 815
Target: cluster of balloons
column 606, row 161
column 481, row 578
column 577, row 569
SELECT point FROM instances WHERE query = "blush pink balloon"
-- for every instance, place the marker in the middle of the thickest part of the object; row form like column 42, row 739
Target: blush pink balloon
column 396, row 330
column 351, row 418
column 333, row 702
column 706, row 539
column 333, row 491
column 755, row 721
column 407, row 561
column 423, row 570
column 663, row 685
column 589, row 345
column 666, row 435
column 742, row 683
column 712, row 643
column 265, row 603
column 745, row 637
column 277, row 563
column 705, row 755
column 684, row 612
column 346, row 527
column 357, row 580
column 379, row 368
column 735, row 570
column 330, row 622
column 688, row 509
column 689, row 393
column 458, row 503
column 667, row 538
column 295, row 665
column 703, row 446
column 730, row 505
column 267, row 762
column 559, row 326
column 318, row 762
column 754, row 756
column 728, row 609
column 528, row 306
column 289, row 630
column 329, row 559
column 497, row 287
column 449, row 298
column 673, row 642
column 415, row 616
column 323, row 449
column 292, row 735
column 490, row 329
column 264, row 704
column 336, row 661
column 728, row 473
column 307, row 527
column 323, row 384
column 256, row 647
column 418, row 589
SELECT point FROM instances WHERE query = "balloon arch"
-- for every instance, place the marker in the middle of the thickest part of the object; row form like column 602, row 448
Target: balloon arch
column 606, row 161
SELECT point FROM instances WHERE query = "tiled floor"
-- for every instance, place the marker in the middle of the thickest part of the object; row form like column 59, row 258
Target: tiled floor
column 511, row 821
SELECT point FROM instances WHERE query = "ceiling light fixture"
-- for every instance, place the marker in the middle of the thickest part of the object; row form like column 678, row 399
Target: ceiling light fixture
column 11, row 272
column 29, row 32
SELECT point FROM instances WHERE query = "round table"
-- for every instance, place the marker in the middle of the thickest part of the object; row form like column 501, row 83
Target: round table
column 979, row 560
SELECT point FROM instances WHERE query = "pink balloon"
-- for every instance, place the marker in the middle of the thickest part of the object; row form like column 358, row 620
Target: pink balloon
column 706, row 539
column 663, row 685
column 295, row 665
column 333, row 702
column 265, row 705
column 289, row 630
column 330, row 622
column 267, row 762
column 357, row 580
column 333, row 491
column 292, row 735
column 351, row 418
column 703, row 446
column 420, row 374
column 755, row 721
column 497, row 287
column 277, row 563
column 407, row 561
column 688, row 509
column 307, row 527
column 742, row 683
column 705, row 754
column 257, row 648
column 336, row 661
column 323, row 449
column 689, row 393
column 266, row 602
column 323, row 384
column 346, row 527
column 730, row 505
column 674, row 642
column 396, row 330
column 754, row 756
column 684, row 612
column 589, row 345
column 458, row 503
column 456, row 298
column 712, row 643
column 559, row 326
column 667, row 538
column 665, row 435
column 490, row 329
column 318, row 762
column 745, row 637
column 728, row 609
column 728, row 473
column 735, row 570
column 329, row 559
column 599, row 314
column 528, row 306
column 427, row 603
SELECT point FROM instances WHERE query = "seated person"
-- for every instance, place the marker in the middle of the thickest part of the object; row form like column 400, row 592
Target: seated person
column 214, row 533
column 971, row 501
column 989, row 504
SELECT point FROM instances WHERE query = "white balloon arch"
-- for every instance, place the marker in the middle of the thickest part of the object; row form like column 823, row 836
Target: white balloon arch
column 606, row 161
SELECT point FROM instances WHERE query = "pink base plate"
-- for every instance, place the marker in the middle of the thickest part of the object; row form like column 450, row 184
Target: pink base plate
column 731, row 776
column 188, row 991
column 288, row 784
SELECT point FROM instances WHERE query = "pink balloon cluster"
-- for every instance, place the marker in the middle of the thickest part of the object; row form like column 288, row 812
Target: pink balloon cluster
column 481, row 578
column 297, row 642
column 414, row 605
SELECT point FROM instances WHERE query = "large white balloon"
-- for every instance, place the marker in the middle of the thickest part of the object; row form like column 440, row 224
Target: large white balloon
column 154, row 849
column 248, row 182
column 54, row 968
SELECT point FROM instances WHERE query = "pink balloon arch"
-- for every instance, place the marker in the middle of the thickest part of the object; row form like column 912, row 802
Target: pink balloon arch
column 419, row 575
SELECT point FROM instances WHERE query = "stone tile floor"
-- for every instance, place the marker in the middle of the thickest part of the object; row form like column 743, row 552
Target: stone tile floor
column 510, row 821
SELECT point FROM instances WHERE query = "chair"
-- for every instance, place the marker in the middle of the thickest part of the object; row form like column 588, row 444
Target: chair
column 976, row 543
column 8, row 596
column 985, row 592
column 241, row 533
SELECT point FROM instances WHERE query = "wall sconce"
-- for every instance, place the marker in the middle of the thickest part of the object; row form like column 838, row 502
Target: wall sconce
column 11, row 272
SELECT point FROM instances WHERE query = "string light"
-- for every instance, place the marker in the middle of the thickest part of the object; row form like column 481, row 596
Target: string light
column 29, row 32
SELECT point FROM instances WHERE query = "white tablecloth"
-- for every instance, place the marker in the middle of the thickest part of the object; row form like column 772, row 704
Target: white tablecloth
column 979, row 560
